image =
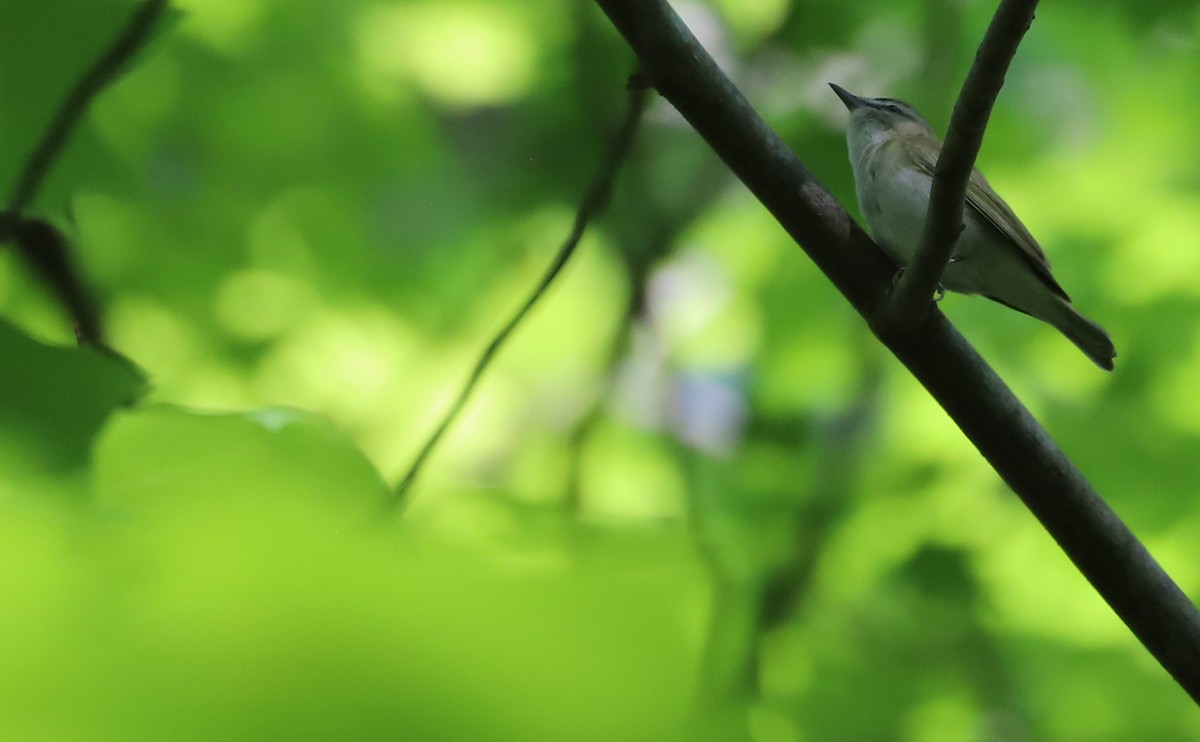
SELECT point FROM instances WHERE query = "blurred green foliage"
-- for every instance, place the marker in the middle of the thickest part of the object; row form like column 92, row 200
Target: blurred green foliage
column 691, row 500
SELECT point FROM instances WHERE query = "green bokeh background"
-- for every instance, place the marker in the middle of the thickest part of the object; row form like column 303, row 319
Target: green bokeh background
column 727, row 516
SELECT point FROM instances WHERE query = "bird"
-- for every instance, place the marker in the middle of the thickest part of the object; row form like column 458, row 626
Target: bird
column 893, row 152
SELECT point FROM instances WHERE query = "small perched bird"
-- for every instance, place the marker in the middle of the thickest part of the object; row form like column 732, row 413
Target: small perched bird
column 893, row 153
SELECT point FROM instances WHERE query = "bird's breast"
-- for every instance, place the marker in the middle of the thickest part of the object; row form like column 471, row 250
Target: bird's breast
column 893, row 197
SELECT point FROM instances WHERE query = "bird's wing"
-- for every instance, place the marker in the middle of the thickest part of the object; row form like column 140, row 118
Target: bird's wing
column 984, row 201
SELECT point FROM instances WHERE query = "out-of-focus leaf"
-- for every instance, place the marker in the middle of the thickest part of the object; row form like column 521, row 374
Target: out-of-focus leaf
column 280, row 206
column 164, row 456
column 52, row 401
column 296, row 627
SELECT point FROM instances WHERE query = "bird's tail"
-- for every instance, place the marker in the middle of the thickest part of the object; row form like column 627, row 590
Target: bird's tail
column 1086, row 334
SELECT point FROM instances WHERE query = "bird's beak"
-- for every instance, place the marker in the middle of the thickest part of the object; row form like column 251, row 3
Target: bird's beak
column 851, row 100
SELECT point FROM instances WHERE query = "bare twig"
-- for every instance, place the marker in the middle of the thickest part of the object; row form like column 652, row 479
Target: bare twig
column 592, row 205
column 44, row 246
column 995, row 421
column 910, row 302
column 103, row 71
column 48, row 253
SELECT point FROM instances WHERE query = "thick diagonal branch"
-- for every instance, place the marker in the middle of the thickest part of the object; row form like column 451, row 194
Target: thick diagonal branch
column 964, row 137
column 995, row 421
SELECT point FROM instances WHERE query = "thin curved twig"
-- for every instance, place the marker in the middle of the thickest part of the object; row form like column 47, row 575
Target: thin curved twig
column 103, row 71
column 592, row 205
column 45, row 248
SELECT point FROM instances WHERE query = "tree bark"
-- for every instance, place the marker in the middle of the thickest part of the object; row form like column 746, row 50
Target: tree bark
column 995, row 421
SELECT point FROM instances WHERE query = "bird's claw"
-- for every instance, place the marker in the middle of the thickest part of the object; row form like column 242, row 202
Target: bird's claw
column 937, row 295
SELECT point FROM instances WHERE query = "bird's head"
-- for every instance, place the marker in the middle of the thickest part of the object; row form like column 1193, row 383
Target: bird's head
column 873, row 116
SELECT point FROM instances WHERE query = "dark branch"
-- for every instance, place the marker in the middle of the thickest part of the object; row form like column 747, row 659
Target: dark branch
column 48, row 252
column 592, row 205
column 995, row 421
column 103, row 71
column 44, row 247
column 964, row 137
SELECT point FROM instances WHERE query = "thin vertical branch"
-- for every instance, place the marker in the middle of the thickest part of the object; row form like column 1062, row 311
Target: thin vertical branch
column 910, row 302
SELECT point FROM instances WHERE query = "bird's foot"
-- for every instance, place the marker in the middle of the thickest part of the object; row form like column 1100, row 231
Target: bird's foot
column 937, row 295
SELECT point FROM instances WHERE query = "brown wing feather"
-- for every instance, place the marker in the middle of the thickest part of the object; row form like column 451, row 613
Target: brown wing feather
column 983, row 201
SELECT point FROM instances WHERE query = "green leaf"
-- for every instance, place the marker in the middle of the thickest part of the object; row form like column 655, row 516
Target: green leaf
column 212, row 626
column 53, row 400
column 164, row 456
